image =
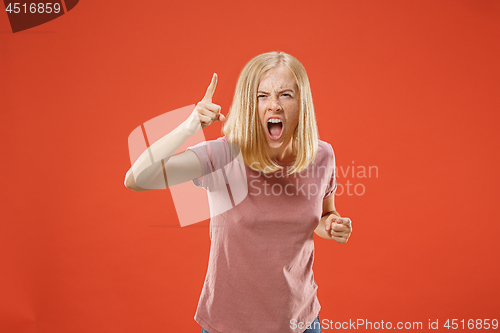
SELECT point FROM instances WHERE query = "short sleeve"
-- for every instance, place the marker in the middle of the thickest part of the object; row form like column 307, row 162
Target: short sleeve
column 214, row 156
column 331, row 180
column 202, row 152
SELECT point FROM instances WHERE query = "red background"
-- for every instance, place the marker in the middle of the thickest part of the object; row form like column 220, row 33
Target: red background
column 408, row 86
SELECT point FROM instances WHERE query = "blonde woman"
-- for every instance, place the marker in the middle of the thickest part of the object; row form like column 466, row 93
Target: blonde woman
column 260, row 276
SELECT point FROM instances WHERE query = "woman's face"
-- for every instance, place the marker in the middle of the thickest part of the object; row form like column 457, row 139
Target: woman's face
column 278, row 106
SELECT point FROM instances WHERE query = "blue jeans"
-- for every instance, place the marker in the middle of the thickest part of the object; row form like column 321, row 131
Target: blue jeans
column 315, row 327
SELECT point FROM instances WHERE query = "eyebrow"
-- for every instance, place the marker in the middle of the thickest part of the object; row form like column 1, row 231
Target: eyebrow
column 281, row 91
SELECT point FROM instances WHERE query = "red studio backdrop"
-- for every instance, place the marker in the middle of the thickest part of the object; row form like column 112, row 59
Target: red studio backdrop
column 405, row 91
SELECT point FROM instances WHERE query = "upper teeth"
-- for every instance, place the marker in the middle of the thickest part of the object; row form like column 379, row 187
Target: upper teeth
column 274, row 120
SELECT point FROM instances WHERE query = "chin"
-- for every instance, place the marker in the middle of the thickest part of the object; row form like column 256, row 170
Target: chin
column 275, row 143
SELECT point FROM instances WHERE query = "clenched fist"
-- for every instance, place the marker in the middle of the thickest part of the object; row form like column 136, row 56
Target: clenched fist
column 340, row 228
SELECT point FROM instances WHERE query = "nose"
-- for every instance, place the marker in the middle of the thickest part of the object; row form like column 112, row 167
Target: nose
column 274, row 104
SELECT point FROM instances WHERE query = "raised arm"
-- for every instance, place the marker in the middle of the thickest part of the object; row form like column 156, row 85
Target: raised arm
column 144, row 176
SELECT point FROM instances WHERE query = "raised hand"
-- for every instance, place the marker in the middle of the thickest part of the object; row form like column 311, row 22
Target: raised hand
column 206, row 111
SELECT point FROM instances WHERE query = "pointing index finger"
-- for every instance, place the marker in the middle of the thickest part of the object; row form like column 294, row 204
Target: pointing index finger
column 211, row 89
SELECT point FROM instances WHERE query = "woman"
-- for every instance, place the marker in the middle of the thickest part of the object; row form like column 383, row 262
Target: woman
column 260, row 276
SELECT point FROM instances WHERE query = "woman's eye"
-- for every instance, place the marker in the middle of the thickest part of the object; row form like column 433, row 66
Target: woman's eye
column 258, row 96
column 287, row 95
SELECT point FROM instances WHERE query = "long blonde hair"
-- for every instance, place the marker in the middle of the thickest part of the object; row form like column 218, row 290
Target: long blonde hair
column 243, row 125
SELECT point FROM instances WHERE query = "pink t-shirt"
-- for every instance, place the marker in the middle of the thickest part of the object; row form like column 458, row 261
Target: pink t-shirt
column 260, row 276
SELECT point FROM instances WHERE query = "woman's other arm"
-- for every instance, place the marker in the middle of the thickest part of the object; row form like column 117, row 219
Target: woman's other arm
column 331, row 224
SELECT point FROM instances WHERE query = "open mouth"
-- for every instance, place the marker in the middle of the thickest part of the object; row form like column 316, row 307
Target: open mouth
column 274, row 128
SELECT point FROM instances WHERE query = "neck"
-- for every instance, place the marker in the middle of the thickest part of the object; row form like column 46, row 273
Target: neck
column 282, row 154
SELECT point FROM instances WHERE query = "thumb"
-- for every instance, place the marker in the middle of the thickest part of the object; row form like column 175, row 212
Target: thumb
column 222, row 117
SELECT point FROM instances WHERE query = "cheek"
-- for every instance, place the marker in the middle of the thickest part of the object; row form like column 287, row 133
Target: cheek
column 260, row 109
column 294, row 127
column 294, row 117
column 260, row 113
column 261, row 117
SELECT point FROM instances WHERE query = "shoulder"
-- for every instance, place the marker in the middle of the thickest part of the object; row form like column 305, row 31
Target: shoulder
column 325, row 150
column 220, row 151
column 325, row 158
column 209, row 143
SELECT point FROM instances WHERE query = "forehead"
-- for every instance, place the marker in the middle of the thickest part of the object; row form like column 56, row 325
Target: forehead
column 278, row 78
